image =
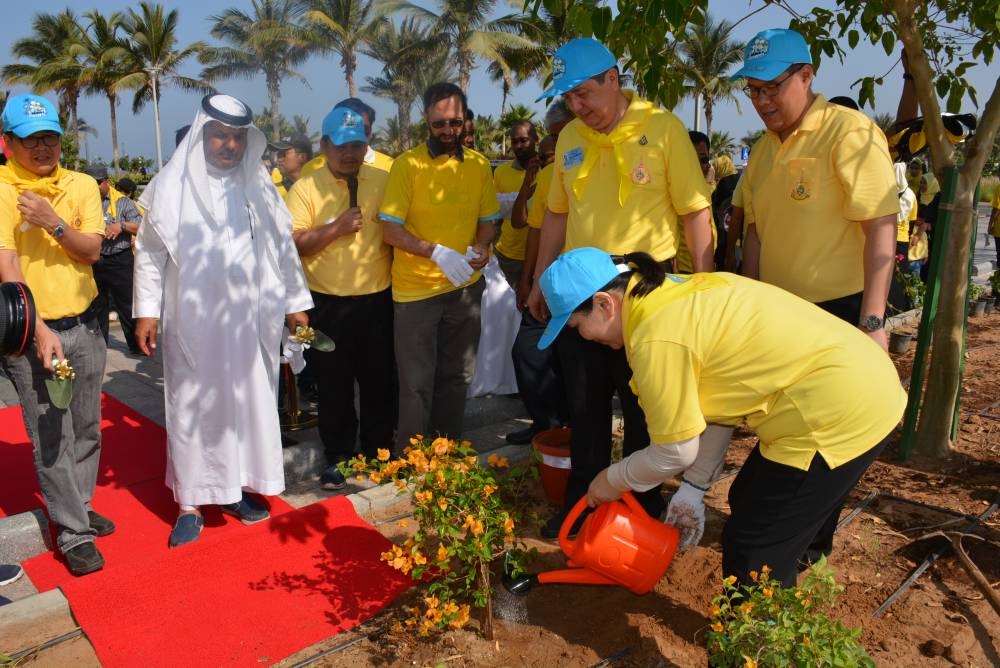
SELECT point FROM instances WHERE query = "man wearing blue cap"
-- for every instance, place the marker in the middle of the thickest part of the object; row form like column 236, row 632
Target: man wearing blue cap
column 626, row 179
column 819, row 195
column 347, row 267
column 49, row 238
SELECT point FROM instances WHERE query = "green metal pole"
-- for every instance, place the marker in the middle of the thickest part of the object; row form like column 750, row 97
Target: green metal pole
column 932, row 292
column 965, row 319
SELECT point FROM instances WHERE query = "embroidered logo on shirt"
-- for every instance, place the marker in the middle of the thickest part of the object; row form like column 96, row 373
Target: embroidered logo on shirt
column 573, row 157
column 640, row 175
column 643, row 141
column 801, row 190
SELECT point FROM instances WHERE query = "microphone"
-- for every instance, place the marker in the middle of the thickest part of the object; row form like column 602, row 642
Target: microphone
column 352, row 189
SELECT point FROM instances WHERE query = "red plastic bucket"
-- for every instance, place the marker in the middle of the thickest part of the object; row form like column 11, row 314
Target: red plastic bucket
column 553, row 446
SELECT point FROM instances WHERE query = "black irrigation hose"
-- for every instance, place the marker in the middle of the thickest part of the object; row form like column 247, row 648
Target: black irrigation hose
column 327, row 652
column 610, row 659
column 864, row 503
column 933, row 556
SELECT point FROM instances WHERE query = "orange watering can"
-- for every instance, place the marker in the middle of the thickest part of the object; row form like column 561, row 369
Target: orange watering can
column 618, row 544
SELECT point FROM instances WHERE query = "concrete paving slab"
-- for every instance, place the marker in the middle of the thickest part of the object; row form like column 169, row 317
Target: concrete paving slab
column 30, row 622
column 24, row 536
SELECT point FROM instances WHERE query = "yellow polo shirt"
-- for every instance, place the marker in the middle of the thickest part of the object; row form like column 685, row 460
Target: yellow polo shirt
column 683, row 260
column 440, row 199
column 723, row 348
column 354, row 264
column 808, row 194
column 373, row 159
column 539, row 201
column 61, row 286
column 507, row 178
column 625, row 190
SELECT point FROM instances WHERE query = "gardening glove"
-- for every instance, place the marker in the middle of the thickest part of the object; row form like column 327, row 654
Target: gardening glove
column 602, row 490
column 454, row 266
column 686, row 511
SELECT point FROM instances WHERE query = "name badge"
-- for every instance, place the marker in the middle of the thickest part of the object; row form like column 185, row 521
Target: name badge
column 573, row 157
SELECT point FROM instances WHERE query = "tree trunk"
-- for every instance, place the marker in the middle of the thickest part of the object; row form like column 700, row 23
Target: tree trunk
column 486, row 586
column 697, row 111
column 350, row 65
column 274, row 93
column 708, row 118
column 74, row 122
column 113, row 103
column 404, row 124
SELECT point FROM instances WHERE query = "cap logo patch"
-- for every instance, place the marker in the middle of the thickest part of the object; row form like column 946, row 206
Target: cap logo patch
column 558, row 67
column 350, row 121
column 758, row 48
column 34, row 109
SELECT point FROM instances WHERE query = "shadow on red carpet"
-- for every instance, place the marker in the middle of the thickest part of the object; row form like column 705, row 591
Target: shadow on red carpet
column 238, row 596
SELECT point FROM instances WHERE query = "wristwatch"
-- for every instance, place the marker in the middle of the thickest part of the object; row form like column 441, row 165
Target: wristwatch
column 59, row 230
column 871, row 323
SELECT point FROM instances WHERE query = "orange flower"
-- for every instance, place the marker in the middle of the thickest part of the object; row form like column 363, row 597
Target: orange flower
column 442, row 554
column 441, row 446
column 715, row 610
column 754, row 575
column 767, row 591
column 746, row 608
column 806, row 640
column 748, row 662
column 423, row 497
column 765, row 569
column 382, row 454
column 443, row 504
column 508, row 525
column 717, row 627
column 729, row 581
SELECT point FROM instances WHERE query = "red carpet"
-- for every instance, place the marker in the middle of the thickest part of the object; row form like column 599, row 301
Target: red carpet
column 238, row 596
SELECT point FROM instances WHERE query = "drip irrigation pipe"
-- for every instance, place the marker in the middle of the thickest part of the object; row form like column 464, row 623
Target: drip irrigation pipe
column 933, row 556
column 75, row 633
column 864, row 503
column 609, row 660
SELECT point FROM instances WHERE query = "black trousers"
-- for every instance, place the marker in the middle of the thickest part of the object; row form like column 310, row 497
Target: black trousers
column 361, row 328
column 537, row 377
column 782, row 516
column 846, row 308
column 592, row 373
column 113, row 275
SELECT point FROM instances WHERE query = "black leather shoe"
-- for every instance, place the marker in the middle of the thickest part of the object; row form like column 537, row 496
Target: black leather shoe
column 522, row 436
column 101, row 524
column 84, row 558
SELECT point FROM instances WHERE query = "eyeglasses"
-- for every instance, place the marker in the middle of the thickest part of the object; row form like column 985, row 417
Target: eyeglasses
column 771, row 89
column 32, row 142
column 451, row 123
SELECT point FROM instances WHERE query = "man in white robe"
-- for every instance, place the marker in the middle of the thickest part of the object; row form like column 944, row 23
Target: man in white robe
column 217, row 274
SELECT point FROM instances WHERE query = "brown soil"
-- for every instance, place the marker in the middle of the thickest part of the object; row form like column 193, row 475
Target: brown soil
column 941, row 620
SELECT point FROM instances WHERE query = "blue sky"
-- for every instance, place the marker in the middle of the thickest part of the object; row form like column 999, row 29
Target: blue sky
column 327, row 85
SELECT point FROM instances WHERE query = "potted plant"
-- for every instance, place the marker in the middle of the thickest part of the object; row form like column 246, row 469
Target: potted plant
column 976, row 307
column 995, row 287
column 899, row 342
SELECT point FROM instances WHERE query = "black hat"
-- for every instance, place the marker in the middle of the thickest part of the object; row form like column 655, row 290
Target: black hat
column 297, row 141
column 99, row 171
column 126, row 185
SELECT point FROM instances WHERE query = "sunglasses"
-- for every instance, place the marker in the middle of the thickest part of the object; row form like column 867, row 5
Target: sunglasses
column 32, row 142
column 451, row 123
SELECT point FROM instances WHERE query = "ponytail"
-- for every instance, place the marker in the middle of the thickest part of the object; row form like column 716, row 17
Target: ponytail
column 650, row 272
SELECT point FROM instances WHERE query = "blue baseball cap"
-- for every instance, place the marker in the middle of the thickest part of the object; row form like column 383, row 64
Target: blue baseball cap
column 576, row 61
column 771, row 52
column 342, row 126
column 571, row 280
column 25, row 115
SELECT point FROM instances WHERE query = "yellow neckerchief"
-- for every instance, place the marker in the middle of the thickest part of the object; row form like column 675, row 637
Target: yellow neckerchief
column 933, row 188
column 637, row 309
column 113, row 196
column 44, row 186
column 634, row 120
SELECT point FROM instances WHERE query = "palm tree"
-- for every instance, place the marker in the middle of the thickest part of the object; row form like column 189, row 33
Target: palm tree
column 707, row 54
column 52, row 63
column 409, row 58
column 465, row 26
column 344, row 27
column 269, row 39
column 751, row 138
column 884, row 121
column 106, row 57
column 388, row 138
column 153, row 52
column 722, row 143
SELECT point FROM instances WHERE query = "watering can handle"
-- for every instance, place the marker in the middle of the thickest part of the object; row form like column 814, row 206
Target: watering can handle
column 565, row 542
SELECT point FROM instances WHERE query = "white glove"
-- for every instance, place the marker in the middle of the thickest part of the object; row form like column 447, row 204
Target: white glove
column 686, row 511
column 455, row 267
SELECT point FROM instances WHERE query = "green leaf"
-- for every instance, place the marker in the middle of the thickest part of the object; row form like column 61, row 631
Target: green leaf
column 60, row 392
column 853, row 37
column 888, row 42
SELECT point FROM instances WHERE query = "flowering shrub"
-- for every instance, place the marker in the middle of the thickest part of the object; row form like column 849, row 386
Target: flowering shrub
column 766, row 625
column 911, row 283
column 466, row 517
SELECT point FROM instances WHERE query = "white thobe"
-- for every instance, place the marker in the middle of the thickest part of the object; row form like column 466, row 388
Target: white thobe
column 223, row 307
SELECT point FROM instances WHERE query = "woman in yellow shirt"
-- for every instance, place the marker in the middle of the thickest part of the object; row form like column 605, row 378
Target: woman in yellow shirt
column 712, row 351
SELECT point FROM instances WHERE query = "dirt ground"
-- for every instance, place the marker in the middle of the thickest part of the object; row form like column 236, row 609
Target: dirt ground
column 943, row 619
